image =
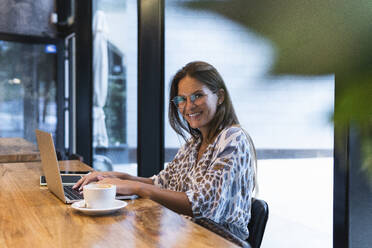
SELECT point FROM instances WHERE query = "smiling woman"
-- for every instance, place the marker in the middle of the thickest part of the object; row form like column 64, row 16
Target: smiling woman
column 213, row 175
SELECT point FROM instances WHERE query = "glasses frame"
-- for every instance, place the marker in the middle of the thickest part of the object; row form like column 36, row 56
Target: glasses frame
column 193, row 98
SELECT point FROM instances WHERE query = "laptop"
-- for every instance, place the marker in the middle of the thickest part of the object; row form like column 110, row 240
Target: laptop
column 51, row 171
column 52, row 174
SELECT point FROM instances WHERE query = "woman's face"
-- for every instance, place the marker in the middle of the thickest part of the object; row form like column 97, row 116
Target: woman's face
column 200, row 103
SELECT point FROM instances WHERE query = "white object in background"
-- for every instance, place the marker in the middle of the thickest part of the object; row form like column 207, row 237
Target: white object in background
column 100, row 79
column 54, row 18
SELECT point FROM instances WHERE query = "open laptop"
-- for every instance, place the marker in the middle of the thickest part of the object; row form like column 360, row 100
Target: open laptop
column 52, row 174
column 50, row 166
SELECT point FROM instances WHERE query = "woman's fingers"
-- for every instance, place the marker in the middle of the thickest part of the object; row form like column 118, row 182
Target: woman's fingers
column 85, row 180
column 92, row 177
column 78, row 183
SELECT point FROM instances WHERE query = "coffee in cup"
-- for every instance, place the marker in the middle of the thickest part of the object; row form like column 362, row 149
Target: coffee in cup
column 99, row 196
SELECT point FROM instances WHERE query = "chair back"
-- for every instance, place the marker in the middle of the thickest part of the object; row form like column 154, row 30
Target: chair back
column 257, row 224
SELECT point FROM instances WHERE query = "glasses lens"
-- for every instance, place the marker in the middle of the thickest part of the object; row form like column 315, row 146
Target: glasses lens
column 178, row 100
column 194, row 97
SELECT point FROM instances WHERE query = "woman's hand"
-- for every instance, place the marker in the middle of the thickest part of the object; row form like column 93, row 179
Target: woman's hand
column 93, row 177
column 176, row 201
column 123, row 187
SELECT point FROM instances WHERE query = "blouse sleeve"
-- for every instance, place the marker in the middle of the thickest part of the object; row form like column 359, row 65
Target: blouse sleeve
column 162, row 179
column 226, row 187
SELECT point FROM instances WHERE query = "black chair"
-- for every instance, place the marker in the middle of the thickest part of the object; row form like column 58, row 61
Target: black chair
column 222, row 231
column 257, row 224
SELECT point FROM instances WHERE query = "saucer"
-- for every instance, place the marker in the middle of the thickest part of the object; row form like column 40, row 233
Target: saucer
column 80, row 206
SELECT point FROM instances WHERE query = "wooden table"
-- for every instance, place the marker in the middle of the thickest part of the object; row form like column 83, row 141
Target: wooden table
column 18, row 150
column 31, row 216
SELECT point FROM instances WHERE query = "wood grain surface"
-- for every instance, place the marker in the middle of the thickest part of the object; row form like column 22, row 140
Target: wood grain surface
column 31, row 216
column 18, row 150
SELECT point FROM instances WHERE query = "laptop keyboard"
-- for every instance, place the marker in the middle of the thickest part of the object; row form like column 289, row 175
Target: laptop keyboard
column 72, row 194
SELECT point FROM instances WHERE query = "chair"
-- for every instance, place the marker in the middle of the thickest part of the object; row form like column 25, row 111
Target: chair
column 257, row 224
column 222, row 231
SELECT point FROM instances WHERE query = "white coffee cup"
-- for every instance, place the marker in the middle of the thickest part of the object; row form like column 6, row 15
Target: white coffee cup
column 99, row 196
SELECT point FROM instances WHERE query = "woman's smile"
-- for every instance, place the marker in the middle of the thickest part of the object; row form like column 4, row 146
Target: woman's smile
column 194, row 119
column 193, row 115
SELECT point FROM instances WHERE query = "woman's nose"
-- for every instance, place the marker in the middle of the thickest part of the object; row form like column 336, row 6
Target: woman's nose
column 189, row 104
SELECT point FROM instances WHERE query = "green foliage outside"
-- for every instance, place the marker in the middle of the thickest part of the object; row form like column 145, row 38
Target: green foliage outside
column 314, row 38
column 115, row 112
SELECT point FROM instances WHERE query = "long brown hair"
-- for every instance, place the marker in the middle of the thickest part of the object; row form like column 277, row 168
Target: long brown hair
column 208, row 75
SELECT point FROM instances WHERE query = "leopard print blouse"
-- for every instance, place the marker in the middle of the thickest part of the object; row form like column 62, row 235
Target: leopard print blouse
column 220, row 185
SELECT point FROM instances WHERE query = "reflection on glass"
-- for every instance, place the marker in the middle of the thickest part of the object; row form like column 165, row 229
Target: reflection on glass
column 115, row 85
column 27, row 89
column 287, row 116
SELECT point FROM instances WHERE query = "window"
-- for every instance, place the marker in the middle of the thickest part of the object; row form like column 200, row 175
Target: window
column 115, row 85
column 28, row 84
column 287, row 116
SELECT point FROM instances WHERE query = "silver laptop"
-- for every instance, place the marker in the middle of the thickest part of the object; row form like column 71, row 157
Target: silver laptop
column 52, row 174
column 50, row 166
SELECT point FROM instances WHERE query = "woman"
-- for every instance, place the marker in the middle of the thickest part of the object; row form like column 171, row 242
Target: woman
column 213, row 173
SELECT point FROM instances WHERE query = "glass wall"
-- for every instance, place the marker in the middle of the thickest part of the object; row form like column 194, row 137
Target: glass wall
column 115, row 85
column 28, row 85
column 288, row 117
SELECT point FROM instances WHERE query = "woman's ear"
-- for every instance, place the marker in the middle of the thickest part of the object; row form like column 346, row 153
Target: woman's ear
column 221, row 96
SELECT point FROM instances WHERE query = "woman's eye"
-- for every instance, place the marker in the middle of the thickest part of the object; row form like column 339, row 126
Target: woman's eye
column 198, row 95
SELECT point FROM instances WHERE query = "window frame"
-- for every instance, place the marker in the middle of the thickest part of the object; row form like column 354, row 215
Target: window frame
column 150, row 124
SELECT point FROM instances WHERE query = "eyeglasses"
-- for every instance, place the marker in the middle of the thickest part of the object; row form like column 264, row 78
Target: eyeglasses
column 180, row 101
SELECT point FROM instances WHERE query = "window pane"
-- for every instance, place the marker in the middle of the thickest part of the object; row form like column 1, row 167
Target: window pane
column 27, row 89
column 115, row 85
column 287, row 116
